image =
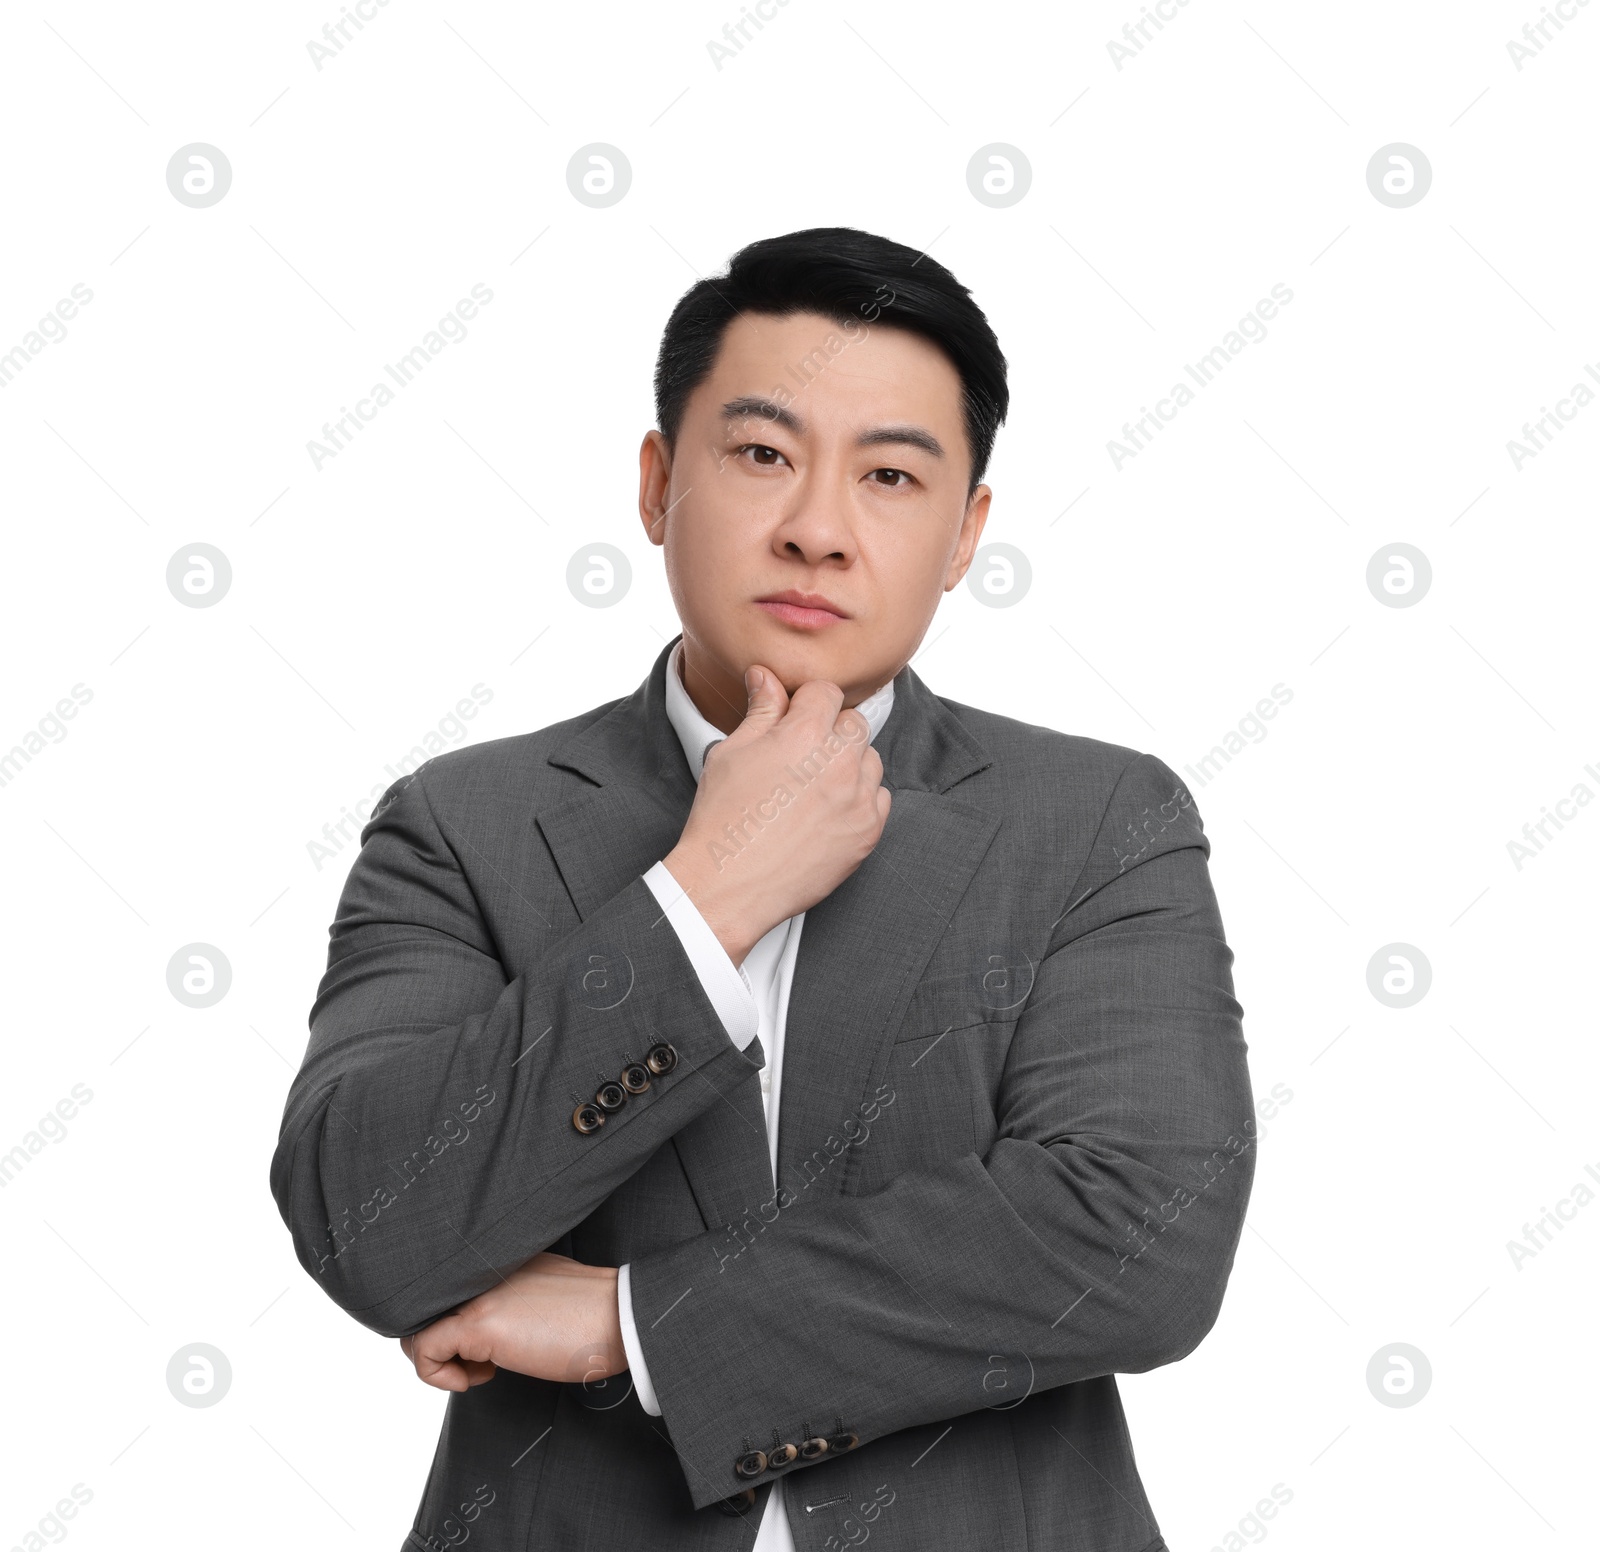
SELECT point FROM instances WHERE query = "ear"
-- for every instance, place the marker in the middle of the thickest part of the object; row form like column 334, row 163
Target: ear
column 655, row 476
column 972, row 521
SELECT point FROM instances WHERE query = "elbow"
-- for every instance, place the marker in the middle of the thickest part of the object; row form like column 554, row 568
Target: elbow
column 337, row 1247
column 363, row 1286
column 1193, row 1280
column 1172, row 1331
column 1185, row 1329
column 359, row 1287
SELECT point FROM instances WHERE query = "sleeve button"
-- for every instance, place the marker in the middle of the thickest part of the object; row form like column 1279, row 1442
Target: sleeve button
column 738, row 1505
column 611, row 1098
column 782, row 1455
column 661, row 1059
column 636, row 1077
column 813, row 1449
column 751, row 1464
column 841, row 1442
column 588, row 1118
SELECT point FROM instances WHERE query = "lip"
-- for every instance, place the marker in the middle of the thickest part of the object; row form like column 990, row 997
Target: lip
column 808, row 611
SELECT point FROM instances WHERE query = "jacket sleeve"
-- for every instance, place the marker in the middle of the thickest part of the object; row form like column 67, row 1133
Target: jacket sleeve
column 428, row 1145
column 1095, row 1236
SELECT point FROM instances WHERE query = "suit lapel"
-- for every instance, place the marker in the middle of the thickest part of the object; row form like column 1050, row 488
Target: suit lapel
column 863, row 949
column 610, row 834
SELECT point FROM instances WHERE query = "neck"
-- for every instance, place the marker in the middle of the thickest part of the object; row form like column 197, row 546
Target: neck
column 718, row 695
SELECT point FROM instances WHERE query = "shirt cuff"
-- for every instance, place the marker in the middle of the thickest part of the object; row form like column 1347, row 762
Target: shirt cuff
column 724, row 983
column 645, row 1391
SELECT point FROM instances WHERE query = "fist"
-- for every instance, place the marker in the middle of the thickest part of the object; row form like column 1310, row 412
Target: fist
column 552, row 1318
column 790, row 804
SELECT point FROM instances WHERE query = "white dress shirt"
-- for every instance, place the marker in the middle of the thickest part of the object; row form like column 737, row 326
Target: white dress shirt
column 751, row 1000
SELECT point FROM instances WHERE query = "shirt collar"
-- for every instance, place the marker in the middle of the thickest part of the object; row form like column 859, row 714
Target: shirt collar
column 697, row 735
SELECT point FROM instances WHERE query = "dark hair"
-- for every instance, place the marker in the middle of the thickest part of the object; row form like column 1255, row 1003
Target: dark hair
column 841, row 273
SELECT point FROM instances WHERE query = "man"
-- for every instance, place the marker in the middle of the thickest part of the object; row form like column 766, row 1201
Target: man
column 775, row 1104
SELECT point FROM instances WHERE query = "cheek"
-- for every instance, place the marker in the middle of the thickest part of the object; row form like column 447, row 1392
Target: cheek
column 696, row 546
column 911, row 576
column 708, row 560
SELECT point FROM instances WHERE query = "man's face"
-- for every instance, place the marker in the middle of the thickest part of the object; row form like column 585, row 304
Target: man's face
column 820, row 460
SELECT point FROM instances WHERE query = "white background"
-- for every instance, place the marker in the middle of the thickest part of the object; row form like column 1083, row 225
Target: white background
column 1168, row 597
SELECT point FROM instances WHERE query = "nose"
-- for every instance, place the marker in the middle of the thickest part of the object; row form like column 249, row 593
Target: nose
column 816, row 527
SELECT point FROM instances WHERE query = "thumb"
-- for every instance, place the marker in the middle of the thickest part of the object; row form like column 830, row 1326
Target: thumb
column 768, row 700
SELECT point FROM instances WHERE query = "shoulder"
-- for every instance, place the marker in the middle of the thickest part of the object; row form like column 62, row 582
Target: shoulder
column 1027, row 748
column 1111, row 797
column 514, row 769
column 1089, row 773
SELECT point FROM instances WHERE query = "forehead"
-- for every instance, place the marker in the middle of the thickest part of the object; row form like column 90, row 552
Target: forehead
column 834, row 372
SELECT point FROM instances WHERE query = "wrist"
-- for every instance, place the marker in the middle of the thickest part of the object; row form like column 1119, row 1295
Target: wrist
column 699, row 883
column 611, row 1315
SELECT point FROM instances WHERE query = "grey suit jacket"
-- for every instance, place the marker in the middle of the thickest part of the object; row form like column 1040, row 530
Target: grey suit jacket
column 1015, row 1148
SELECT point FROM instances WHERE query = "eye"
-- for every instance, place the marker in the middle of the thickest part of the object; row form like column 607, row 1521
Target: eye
column 760, row 449
column 898, row 480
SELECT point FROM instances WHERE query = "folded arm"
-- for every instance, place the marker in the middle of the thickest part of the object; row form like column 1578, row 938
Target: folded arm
column 428, row 1145
column 1095, row 1236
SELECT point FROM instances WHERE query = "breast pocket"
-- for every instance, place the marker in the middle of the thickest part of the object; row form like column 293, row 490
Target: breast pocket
column 938, row 1089
column 993, row 993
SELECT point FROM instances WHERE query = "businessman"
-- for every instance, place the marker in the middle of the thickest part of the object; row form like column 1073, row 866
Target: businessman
column 776, row 1104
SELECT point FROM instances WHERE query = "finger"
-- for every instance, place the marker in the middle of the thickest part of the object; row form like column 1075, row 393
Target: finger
column 766, row 702
column 456, row 1375
column 819, row 699
column 442, row 1352
column 445, row 1376
column 852, row 726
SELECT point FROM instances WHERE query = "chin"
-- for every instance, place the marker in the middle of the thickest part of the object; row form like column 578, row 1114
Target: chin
column 796, row 657
column 796, row 662
column 842, row 669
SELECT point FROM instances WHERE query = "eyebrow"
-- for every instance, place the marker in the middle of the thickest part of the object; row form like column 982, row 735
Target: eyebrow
column 757, row 406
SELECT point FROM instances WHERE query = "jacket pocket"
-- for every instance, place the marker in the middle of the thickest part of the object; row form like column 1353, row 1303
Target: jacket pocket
column 994, row 995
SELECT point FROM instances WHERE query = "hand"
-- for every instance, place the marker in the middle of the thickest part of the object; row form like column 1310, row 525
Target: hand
column 552, row 1318
column 789, row 806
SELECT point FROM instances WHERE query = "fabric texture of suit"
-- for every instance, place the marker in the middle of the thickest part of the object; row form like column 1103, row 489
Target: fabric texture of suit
column 1015, row 1148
